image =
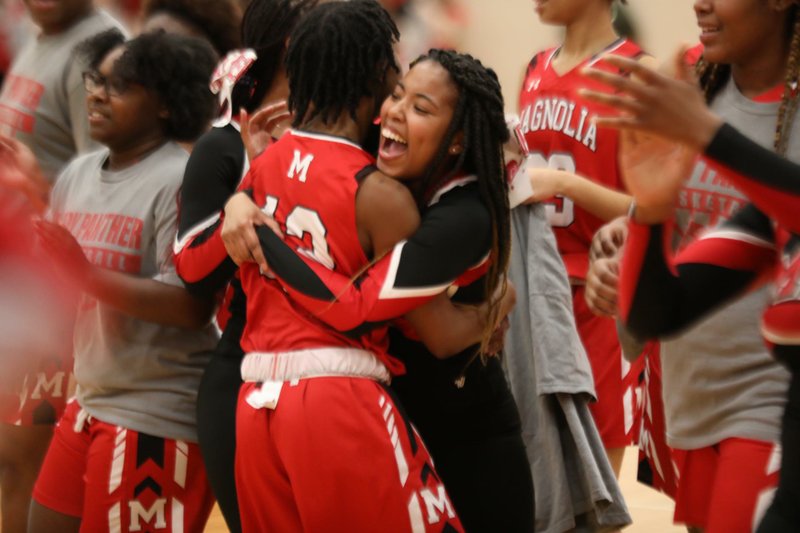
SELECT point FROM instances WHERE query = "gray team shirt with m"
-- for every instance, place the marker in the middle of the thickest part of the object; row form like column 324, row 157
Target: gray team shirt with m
column 132, row 373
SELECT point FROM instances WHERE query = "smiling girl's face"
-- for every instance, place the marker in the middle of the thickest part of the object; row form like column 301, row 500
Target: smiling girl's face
column 415, row 119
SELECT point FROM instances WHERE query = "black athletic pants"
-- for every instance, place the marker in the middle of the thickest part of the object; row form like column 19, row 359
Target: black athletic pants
column 216, row 431
column 783, row 516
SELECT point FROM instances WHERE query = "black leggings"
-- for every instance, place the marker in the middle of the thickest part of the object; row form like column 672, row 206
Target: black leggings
column 474, row 436
column 216, row 431
column 783, row 516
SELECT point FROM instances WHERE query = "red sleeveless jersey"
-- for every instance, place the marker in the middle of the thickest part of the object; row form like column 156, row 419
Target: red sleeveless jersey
column 308, row 183
column 557, row 124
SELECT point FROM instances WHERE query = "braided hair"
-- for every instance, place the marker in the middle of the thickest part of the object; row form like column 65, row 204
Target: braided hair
column 338, row 54
column 266, row 26
column 713, row 78
column 479, row 116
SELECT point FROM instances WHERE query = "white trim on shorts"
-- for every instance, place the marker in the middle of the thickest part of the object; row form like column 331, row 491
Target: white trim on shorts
column 313, row 362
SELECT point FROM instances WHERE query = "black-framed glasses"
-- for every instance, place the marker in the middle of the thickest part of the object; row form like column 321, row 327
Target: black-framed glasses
column 111, row 85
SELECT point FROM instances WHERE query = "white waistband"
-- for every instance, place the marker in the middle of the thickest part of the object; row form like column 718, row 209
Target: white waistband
column 313, row 362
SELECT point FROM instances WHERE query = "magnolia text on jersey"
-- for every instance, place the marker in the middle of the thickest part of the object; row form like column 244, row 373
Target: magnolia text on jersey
column 563, row 116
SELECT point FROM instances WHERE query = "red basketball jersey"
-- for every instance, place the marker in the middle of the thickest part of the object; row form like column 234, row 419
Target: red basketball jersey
column 557, row 124
column 308, row 183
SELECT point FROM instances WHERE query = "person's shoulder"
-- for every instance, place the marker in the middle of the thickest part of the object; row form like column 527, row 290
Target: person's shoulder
column 165, row 166
column 79, row 170
column 540, row 59
column 220, row 140
column 95, row 158
column 378, row 189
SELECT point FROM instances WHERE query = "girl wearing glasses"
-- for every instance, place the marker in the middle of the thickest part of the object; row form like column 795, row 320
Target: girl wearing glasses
column 124, row 455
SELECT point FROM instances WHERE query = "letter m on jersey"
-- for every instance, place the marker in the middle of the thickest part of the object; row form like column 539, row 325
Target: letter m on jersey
column 299, row 167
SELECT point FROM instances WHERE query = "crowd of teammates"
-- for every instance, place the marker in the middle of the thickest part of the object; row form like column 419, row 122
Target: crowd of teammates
column 347, row 229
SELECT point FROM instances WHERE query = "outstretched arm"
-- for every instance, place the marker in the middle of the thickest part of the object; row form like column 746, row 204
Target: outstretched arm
column 211, row 176
column 660, row 295
column 453, row 237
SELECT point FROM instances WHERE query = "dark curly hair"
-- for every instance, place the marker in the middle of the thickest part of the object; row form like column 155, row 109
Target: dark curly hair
column 338, row 54
column 266, row 27
column 479, row 116
column 217, row 20
column 176, row 68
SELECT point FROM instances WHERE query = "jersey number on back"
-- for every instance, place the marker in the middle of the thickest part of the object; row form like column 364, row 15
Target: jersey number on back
column 302, row 221
column 560, row 209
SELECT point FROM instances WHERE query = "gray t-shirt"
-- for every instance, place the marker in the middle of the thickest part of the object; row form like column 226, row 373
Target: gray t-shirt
column 132, row 373
column 719, row 379
column 43, row 102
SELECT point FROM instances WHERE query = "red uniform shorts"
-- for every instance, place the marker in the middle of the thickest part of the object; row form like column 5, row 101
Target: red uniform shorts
column 42, row 396
column 119, row 480
column 334, row 454
column 616, row 381
column 726, row 488
column 656, row 464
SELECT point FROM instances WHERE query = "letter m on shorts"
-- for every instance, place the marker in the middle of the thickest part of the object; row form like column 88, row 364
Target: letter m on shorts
column 139, row 514
column 436, row 504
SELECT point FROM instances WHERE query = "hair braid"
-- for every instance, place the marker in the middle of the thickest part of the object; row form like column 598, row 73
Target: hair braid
column 479, row 115
column 266, row 26
column 788, row 109
column 338, row 54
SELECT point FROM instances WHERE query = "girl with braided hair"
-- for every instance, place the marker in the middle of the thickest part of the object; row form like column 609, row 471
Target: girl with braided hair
column 442, row 134
column 214, row 170
column 312, row 393
column 723, row 394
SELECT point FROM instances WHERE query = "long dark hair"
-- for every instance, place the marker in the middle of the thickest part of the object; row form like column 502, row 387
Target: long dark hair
column 266, row 26
column 479, row 116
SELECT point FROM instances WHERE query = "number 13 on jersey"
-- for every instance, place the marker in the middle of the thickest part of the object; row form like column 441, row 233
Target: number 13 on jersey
column 304, row 221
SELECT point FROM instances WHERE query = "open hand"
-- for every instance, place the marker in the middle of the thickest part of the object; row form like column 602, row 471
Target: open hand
column 670, row 105
column 238, row 230
column 263, row 127
column 61, row 246
column 20, row 171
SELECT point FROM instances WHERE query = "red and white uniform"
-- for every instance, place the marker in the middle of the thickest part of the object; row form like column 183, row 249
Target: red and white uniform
column 318, row 434
column 558, row 128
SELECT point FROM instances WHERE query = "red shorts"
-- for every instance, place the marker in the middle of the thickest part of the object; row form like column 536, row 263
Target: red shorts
column 117, row 479
column 656, row 465
column 726, row 487
column 616, row 381
column 42, row 396
column 334, row 454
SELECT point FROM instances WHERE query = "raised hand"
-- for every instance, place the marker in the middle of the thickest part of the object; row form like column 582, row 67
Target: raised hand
column 262, row 128
column 20, row 171
column 65, row 251
column 653, row 170
column 670, row 105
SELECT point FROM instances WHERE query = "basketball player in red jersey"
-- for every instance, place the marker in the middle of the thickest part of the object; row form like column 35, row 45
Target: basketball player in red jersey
column 576, row 174
column 333, row 449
